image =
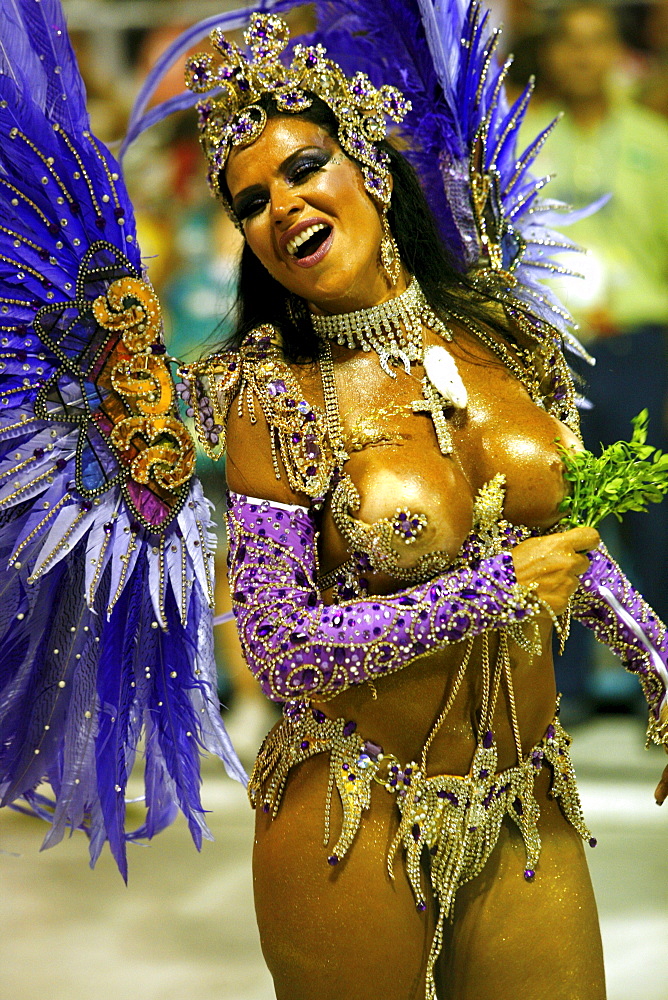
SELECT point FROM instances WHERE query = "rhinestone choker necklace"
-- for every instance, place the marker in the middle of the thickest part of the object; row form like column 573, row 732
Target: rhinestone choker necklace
column 393, row 328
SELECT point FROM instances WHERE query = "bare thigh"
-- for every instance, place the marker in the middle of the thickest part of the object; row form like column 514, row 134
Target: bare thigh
column 342, row 933
column 511, row 938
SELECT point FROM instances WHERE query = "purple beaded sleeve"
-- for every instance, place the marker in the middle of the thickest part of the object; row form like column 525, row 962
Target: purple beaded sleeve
column 297, row 646
column 591, row 606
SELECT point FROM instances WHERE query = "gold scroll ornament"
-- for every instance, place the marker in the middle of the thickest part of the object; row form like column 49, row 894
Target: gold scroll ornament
column 144, row 383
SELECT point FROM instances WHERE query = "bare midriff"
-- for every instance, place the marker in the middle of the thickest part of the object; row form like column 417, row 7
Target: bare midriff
column 501, row 431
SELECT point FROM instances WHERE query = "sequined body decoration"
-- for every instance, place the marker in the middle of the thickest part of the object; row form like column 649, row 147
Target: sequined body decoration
column 456, row 819
column 118, row 390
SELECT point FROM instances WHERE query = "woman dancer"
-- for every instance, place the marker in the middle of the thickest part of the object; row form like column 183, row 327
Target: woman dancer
column 395, row 573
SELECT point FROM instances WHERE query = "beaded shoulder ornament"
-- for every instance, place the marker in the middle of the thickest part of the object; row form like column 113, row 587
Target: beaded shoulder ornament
column 230, row 116
column 259, row 373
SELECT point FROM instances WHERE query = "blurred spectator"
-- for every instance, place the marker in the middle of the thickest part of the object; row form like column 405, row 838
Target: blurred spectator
column 654, row 90
column 606, row 144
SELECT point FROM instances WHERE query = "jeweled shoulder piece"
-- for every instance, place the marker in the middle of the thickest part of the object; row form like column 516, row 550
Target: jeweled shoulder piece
column 259, row 374
column 235, row 81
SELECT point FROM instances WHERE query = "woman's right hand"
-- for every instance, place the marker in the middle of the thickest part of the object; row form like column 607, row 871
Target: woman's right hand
column 555, row 564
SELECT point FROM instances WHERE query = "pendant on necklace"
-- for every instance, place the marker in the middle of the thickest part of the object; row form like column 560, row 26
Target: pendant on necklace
column 441, row 370
column 441, row 386
column 384, row 358
column 433, row 404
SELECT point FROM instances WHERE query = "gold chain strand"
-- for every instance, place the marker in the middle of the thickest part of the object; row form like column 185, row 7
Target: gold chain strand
column 449, row 703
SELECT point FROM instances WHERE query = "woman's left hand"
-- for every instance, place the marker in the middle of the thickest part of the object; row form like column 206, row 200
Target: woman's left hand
column 661, row 791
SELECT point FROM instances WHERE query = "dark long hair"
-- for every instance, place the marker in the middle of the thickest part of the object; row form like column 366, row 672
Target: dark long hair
column 262, row 299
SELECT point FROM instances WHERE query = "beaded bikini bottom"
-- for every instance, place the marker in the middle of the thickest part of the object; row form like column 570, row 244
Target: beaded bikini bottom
column 453, row 821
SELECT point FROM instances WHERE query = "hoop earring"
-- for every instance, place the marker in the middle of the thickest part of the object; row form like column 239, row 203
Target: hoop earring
column 390, row 257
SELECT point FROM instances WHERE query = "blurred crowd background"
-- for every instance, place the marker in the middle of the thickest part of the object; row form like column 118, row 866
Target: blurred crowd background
column 603, row 66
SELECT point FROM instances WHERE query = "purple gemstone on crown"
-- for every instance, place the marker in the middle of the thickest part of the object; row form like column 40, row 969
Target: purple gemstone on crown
column 311, row 60
column 488, row 739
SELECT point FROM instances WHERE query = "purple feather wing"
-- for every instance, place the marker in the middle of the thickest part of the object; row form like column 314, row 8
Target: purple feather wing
column 463, row 137
column 103, row 634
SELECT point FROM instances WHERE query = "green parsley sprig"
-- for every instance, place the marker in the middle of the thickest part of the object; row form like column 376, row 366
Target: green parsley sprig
column 628, row 475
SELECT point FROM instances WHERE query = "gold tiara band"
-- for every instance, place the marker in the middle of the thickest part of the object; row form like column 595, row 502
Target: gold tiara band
column 235, row 81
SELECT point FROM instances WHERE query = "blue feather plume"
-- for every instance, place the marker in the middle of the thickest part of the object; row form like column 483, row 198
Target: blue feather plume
column 92, row 651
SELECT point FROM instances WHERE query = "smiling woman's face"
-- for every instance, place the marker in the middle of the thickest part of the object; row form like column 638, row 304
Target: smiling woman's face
column 307, row 216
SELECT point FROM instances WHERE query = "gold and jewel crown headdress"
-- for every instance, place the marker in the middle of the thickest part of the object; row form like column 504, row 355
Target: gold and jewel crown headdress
column 230, row 116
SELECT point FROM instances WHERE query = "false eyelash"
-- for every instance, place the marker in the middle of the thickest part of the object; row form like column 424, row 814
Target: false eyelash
column 300, row 171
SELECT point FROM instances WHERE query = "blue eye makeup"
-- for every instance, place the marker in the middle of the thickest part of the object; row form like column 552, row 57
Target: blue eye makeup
column 300, row 168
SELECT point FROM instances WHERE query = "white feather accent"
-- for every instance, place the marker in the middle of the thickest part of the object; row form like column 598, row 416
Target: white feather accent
column 441, row 370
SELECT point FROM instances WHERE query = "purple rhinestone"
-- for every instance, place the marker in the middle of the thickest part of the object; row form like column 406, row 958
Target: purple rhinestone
column 85, row 506
column 421, row 907
column 311, row 447
column 349, row 728
column 488, row 739
column 304, row 744
column 108, row 528
column 38, row 453
column 593, row 841
column 529, row 874
column 332, row 860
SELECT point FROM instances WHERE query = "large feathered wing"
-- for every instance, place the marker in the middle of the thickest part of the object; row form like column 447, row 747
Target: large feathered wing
column 106, row 552
column 463, row 139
